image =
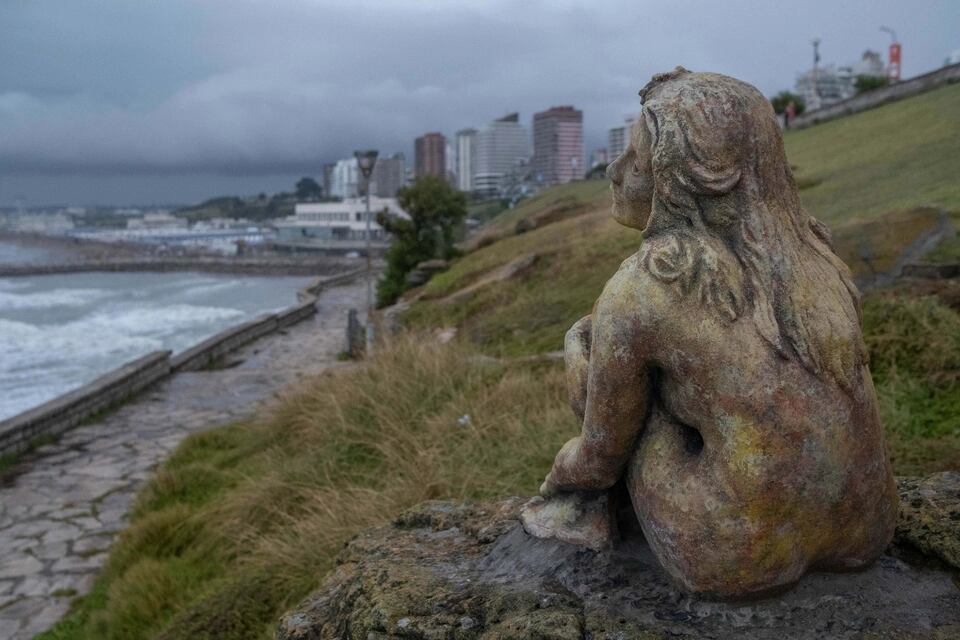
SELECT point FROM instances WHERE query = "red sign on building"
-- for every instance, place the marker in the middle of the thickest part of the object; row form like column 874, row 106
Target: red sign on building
column 893, row 69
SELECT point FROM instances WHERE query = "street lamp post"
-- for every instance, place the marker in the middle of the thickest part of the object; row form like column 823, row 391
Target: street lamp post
column 366, row 161
column 893, row 64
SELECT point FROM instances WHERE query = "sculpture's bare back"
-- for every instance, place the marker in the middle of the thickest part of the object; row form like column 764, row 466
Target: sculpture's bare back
column 722, row 374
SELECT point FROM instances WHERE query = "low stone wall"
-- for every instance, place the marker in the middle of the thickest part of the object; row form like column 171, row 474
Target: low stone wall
column 313, row 289
column 19, row 433
column 206, row 353
column 878, row 97
column 293, row 315
column 266, row 267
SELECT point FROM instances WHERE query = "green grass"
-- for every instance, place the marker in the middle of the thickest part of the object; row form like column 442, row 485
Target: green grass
column 898, row 156
column 914, row 345
column 563, row 201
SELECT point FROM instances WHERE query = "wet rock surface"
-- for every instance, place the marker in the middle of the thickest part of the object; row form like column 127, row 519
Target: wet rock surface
column 461, row 572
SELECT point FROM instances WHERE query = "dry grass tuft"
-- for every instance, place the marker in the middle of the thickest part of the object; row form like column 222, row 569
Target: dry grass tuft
column 275, row 499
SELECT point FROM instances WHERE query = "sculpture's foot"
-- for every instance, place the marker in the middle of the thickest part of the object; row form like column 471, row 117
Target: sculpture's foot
column 583, row 519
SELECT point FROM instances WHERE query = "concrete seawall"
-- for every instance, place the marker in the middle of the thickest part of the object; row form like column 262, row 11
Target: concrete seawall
column 268, row 267
column 50, row 419
column 877, row 97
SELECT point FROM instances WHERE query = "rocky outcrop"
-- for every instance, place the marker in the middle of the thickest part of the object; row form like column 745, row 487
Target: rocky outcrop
column 929, row 519
column 422, row 273
column 460, row 572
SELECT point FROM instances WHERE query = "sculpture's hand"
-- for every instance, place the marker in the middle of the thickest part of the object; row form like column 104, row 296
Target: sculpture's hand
column 548, row 489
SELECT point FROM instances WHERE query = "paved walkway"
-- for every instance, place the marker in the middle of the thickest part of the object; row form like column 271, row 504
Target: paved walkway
column 59, row 515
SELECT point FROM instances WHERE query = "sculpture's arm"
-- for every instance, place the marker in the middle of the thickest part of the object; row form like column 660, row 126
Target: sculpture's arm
column 616, row 404
column 576, row 357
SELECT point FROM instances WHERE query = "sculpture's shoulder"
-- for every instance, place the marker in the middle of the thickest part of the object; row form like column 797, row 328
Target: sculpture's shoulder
column 633, row 295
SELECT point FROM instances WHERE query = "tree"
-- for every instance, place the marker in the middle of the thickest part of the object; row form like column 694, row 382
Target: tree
column 868, row 83
column 436, row 213
column 782, row 99
column 308, row 189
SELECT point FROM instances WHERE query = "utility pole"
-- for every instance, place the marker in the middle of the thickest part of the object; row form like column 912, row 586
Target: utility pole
column 816, row 73
column 366, row 161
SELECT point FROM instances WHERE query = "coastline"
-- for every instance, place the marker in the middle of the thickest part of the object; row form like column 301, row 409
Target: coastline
column 23, row 431
column 69, row 500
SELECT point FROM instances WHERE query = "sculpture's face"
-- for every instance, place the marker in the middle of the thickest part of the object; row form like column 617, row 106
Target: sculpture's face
column 631, row 179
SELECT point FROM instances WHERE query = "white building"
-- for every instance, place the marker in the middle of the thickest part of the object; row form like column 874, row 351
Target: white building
column 501, row 146
column 345, row 179
column 466, row 141
column 333, row 225
column 388, row 176
column 53, row 223
column 823, row 86
column 618, row 138
column 157, row 220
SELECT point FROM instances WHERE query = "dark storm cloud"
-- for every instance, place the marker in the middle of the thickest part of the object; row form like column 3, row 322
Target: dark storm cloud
column 255, row 87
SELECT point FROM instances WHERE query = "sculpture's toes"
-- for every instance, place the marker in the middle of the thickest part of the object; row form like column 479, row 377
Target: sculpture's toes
column 578, row 518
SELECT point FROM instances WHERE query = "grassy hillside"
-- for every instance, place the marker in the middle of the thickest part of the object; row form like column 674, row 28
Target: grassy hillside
column 895, row 157
column 242, row 521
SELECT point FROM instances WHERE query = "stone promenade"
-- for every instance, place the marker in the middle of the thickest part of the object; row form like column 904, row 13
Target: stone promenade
column 60, row 513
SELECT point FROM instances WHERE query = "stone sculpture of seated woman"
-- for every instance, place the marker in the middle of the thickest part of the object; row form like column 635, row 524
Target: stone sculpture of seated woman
column 722, row 375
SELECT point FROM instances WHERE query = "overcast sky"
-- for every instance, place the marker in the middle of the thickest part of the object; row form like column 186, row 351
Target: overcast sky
column 138, row 101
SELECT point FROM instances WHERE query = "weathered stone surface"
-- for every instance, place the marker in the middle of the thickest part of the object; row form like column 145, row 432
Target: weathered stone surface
column 721, row 378
column 465, row 572
column 577, row 518
column 930, row 516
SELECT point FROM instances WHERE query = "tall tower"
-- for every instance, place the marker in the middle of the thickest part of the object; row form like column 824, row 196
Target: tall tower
column 430, row 155
column 501, row 146
column 466, row 152
column 558, row 145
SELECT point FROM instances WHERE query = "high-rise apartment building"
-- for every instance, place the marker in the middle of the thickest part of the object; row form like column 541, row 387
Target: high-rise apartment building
column 344, row 180
column 430, row 155
column 618, row 138
column 328, row 179
column 501, row 146
column 557, row 145
column 466, row 152
column 388, row 176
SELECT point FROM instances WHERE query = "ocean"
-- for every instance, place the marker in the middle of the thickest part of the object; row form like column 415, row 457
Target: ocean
column 58, row 332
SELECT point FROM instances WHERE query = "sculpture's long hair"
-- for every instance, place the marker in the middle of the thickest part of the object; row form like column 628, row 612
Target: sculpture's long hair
column 735, row 232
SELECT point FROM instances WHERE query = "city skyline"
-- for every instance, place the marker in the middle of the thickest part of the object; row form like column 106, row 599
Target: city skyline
column 115, row 103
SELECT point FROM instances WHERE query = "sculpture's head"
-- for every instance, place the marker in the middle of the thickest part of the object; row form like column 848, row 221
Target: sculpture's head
column 631, row 179
column 700, row 139
column 706, row 165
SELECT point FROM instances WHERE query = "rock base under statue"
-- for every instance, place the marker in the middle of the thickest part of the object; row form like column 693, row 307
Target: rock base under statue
column 471, row 571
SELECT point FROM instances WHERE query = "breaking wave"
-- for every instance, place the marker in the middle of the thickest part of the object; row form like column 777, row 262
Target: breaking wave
column 57, row 338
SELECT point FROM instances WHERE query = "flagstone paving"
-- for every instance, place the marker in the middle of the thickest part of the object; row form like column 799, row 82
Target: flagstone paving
column 61, row 511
